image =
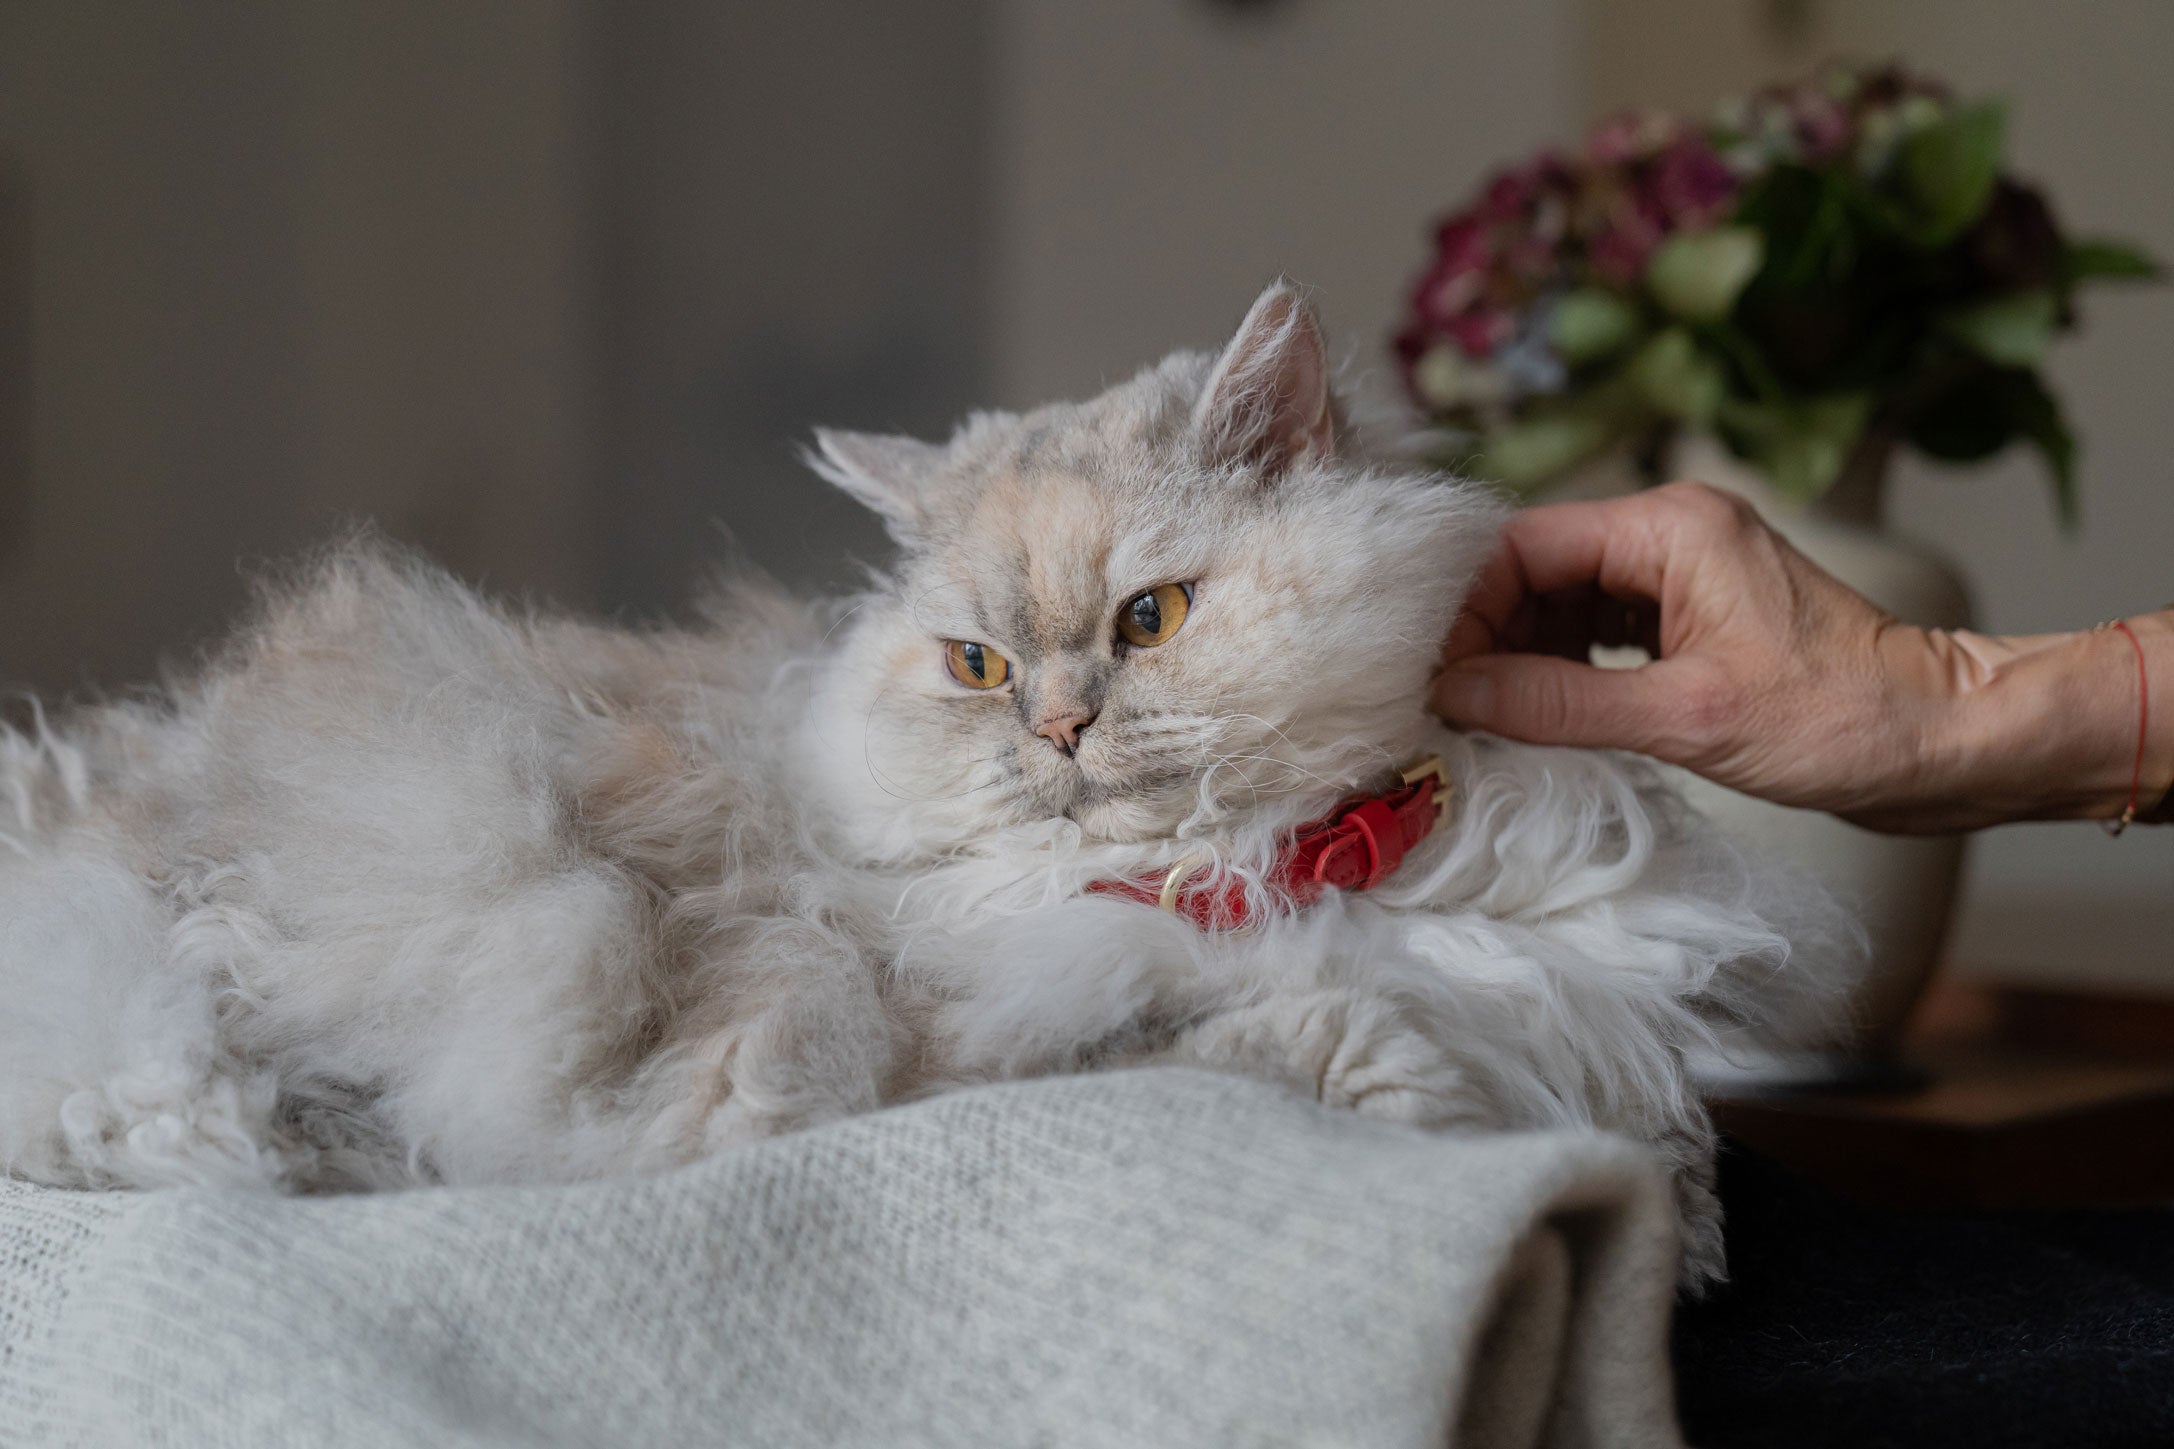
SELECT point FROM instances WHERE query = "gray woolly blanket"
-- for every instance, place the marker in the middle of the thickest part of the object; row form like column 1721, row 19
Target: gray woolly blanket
column 1140, row 1258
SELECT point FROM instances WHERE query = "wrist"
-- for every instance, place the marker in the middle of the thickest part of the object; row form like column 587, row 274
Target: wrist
column 2044, row 727
column 1959, row 711
column 2155, row 784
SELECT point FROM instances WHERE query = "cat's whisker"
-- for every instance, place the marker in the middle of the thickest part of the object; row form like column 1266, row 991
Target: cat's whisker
column 1259, row 786
column 914, row 606
column 846, row 617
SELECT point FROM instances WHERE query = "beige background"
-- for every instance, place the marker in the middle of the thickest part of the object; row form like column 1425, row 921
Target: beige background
column 554, row 286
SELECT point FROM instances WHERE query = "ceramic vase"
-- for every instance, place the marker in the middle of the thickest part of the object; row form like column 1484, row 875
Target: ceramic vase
column 1902, row 888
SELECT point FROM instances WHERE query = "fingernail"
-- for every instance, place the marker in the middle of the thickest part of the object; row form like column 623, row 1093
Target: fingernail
column 1464, row 694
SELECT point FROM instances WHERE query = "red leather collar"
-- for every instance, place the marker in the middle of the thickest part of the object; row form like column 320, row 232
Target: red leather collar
column 1354, row 847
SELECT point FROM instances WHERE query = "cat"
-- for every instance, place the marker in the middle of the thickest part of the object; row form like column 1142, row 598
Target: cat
column 404, row 886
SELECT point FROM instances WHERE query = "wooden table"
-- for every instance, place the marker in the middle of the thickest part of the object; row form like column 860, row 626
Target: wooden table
column 2030, row 1099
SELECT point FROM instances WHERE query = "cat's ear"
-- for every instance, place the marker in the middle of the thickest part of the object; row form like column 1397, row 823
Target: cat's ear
column 1267, row 402
column 890, row 474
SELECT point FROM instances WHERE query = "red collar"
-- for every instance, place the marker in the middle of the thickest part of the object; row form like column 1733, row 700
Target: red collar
column 1354, row 847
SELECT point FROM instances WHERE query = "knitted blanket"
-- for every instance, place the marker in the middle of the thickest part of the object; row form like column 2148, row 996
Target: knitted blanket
column 1138, row 1258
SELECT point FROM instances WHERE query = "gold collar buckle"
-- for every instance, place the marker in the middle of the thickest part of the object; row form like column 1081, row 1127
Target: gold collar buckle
column 1432, row 768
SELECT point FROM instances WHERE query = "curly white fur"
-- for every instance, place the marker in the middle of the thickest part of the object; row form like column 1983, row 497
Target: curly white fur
column 403, row 886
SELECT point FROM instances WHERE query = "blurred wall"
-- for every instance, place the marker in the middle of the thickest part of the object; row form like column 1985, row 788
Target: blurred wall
column 2091, row 117
column 287, row 263
column 555, row 289
column 791, row 228
column 1159, row 161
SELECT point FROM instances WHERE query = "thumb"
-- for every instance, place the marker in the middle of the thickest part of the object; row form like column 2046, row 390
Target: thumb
column 1547, row 701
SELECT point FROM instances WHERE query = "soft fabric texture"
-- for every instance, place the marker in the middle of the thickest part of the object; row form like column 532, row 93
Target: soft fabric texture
column 1144, row 1258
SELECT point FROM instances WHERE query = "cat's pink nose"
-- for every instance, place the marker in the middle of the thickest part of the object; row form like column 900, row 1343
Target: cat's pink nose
column 1064, row 730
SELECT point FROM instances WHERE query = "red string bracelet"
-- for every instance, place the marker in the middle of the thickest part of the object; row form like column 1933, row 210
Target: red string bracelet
column 2143, row 730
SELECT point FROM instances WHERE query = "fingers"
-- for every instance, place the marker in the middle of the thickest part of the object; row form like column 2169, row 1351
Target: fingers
column 1575, row 574
column 1487, row 620
column 1568, row 623
column 1623, row 547
column 1570, row 575
column 1471, row 634
column 1550, row 701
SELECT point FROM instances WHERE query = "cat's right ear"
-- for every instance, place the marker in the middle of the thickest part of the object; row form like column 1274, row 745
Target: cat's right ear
column 890, row 474
column 1267, row 402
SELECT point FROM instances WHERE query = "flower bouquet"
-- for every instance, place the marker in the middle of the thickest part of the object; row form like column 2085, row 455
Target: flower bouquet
column 1814, row 275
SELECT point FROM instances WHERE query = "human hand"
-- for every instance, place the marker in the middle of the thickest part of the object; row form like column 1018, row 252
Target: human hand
column 1772, row 677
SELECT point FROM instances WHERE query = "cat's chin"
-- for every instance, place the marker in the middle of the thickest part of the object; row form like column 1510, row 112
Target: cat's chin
column 1111, row 806
column 1124, row 821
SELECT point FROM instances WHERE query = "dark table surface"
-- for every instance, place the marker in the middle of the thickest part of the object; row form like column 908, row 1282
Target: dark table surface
column 1866, row 1327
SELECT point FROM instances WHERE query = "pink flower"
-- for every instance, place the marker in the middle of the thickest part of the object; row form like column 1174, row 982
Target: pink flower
column 1823, row 128
column 1446, row 294
column 1630, row 136
column 1509, row 194
column 1690, row 185
column 1411, row 345
column 1532, row 259
column 1619, row 247
column 1463, row 243
column 1482, row 330
column 1463, row 252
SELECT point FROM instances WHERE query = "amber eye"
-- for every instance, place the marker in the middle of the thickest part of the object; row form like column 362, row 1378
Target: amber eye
column 976, row 666
column 1155, row 615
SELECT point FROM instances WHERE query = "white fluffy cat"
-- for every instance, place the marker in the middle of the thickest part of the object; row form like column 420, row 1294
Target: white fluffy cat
column 405, row 886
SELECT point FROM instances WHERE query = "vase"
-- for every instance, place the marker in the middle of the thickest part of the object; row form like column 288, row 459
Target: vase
column 1902, row 888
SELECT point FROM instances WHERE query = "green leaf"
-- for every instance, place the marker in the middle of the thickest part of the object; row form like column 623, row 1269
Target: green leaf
column 1676, row 378
column 2039, row 420
column 2010, row 331
column 1446, row 379
column 1803, row 221
column 1535, row 449
column 1801, row 446
column 1591, row 323
column 1994, row 407
column 1969, row 421
column 2088, row 261
column 1948, row 170
column 1699, row 275
column 1750, row 360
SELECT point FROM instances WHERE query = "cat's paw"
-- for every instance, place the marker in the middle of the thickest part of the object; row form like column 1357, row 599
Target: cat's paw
column 1354, row 1052
column 810, row 1060
column 172, row 1124
column 1382, row 1067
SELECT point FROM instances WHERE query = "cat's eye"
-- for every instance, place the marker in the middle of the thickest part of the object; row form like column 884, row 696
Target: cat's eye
column 1151, row 618
column 976, row 666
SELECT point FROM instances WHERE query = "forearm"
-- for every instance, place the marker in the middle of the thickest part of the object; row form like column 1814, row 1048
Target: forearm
column 1773, row 678
column 2045, row 727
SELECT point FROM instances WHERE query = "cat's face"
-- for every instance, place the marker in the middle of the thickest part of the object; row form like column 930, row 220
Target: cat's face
column 1176, row 604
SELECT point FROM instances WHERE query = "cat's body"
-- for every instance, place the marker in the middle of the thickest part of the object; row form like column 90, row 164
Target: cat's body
column 405, row 887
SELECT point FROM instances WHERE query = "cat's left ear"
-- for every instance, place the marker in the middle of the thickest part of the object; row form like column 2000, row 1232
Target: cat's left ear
column 1267, row 402
column 891, row 475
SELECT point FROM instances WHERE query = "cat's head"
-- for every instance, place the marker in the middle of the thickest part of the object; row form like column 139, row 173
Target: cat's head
column 1182, row 604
